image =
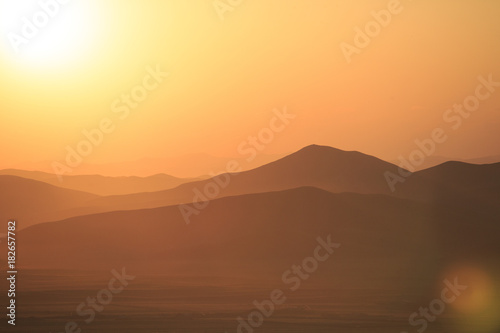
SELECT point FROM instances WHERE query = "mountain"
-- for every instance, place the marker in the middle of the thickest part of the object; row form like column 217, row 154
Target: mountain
column 382, row 238
column 102, row 185
column 435, row 160
column 429, row 162
column 453, row 182
column 195, row 165
column 29, row 201
column 396, row 247
column 484, row 160
column 463, row 175
column 323, row 167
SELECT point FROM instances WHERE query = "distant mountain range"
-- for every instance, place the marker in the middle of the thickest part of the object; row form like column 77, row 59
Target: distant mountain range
column 184, row 166
column 321, row 167
column 434, row 160
column 259, row 223
column 30, row 201
column 382, row 238
column 103, row 185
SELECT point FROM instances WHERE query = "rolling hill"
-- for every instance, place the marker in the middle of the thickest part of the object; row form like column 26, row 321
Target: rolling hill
column 102, row 185
column 29, row 201
column 323, row 167
column 464, row 176
column 261, row 234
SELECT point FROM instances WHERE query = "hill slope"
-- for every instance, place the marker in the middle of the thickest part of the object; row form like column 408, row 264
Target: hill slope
column 323, row 167
column 30, row 201
column 263, row 234
column 102, row 185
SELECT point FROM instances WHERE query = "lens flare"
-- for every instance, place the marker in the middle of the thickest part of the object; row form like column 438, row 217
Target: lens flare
column 478, row 307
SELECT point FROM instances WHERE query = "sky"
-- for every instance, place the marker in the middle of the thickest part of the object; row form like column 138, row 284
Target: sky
column 209, row 75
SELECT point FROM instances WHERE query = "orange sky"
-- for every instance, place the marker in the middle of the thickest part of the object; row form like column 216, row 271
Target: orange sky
column 226, row 77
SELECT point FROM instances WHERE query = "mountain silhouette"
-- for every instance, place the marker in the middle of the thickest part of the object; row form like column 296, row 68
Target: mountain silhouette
column 103, row 185
column 29, row 201
column 323, row 167
column 382, row 238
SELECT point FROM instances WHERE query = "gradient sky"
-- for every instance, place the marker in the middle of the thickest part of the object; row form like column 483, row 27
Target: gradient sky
column 226, row 77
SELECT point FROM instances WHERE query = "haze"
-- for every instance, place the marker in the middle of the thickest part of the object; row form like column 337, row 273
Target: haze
column 226, row 77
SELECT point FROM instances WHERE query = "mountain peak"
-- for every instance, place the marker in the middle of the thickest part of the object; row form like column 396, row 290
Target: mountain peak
column 315, row 150
column 318, row 153
column 316, row 147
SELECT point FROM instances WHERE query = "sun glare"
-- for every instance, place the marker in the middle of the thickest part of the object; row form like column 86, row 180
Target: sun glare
column 47, row 32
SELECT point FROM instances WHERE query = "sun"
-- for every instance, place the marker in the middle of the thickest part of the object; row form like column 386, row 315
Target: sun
column 47, row 32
